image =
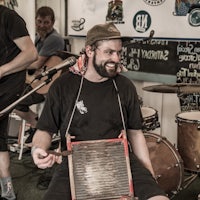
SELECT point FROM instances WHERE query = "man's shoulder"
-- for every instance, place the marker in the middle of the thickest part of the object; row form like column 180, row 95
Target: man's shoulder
column 122, row 78
column 54, row 34
column 67, row 77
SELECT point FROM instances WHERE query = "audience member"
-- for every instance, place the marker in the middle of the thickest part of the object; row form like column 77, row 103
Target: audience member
column 48, row 42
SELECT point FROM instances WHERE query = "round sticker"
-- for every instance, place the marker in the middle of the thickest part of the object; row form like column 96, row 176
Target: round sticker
column 154, row 2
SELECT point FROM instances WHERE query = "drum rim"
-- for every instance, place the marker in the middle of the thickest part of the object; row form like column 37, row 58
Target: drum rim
column 152, row 109
column 188, row 120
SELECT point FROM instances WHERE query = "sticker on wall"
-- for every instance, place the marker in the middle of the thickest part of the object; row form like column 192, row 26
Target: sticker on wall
column 115, row 12
column 141, row 21
column 190, row 8
column 78, row 25
column 154, row 2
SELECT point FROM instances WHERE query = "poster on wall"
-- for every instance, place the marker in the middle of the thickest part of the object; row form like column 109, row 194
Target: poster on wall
column 165, row 34
column 168, row 19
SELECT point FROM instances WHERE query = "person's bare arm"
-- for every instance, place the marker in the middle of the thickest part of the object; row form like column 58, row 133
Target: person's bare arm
column 27, row 55
column 40, row 144
column 39, row 63
column 138, row 144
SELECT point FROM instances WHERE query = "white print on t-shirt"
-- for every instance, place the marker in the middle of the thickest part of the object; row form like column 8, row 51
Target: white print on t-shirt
column 81, row 108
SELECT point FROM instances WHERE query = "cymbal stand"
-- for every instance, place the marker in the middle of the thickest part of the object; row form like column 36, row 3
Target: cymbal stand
column 187, row 181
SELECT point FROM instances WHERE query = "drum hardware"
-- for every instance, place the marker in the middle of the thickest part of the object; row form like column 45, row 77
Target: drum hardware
column 189, row 180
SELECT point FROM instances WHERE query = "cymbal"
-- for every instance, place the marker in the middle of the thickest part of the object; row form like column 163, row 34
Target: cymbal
column 185, row 88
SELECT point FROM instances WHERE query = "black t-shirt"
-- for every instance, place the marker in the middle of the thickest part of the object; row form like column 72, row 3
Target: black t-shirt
column 97, row 114
column 12, row 26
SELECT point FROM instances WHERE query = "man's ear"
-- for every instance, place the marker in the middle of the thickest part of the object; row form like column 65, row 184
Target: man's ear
column 89, row 51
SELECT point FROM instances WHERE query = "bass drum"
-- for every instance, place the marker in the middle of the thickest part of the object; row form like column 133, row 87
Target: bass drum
column 166, row 162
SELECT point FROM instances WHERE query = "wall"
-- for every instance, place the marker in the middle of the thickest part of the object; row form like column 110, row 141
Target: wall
column 29, row 16
column 59, row 9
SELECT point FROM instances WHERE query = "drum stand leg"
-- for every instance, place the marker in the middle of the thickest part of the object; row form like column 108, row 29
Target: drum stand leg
column 189, row 180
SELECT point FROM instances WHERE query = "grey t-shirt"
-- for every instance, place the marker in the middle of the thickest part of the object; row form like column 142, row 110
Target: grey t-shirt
column 52, row 43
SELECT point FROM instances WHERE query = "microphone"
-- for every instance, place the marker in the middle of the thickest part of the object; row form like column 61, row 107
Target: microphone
column 65, row 63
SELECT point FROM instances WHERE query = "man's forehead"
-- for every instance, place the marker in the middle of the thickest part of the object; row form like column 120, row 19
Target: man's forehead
column 48, row 17
column 110, row 42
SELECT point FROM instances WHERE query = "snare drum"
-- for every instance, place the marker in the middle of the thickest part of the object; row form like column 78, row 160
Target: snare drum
column 150, row 118
column 166, row 162
column 189, row 139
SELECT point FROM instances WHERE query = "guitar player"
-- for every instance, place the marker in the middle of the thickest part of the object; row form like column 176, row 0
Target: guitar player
column 48, row 41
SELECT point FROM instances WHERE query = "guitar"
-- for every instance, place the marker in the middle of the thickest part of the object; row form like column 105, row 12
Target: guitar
column 50, row 63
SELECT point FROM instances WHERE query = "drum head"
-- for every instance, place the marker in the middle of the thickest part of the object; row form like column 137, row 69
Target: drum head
column 190, row 116
column 150, row 118
column 167, row 163
column 147, row 111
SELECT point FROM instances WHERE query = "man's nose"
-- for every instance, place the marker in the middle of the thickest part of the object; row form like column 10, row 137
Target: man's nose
column 116, row 57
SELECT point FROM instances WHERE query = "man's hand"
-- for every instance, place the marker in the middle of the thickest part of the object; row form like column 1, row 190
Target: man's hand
column 42, row 159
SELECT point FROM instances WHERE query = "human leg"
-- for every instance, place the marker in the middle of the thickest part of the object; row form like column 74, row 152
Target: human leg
column 7, row 190
column 145, row 186
column 30, row 116
column 23, row 108
column 59, row 187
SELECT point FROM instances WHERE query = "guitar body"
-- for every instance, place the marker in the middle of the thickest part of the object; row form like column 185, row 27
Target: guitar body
column 50, row 63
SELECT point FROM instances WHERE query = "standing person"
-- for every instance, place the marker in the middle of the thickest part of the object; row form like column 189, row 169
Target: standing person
column 97, row 115
column 16, row 53
column 48, row 42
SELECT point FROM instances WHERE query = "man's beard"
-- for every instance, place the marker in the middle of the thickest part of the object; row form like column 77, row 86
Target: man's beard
column 102, row 71
column 42, row 33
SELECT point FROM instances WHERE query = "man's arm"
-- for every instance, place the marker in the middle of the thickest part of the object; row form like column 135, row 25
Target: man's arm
column 39, row 63
column 40, row 144
column 27, row 55
column 140, row 149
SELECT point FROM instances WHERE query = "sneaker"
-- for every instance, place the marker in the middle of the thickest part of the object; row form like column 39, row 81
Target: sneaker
column 30, row 132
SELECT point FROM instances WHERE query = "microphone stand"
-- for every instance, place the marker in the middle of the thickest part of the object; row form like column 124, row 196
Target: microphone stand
column 45, row 82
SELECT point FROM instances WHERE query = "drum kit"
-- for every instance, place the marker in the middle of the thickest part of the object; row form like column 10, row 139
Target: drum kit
column 170, row 163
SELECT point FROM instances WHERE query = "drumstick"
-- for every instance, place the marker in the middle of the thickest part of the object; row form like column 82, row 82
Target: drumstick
column 63, row 153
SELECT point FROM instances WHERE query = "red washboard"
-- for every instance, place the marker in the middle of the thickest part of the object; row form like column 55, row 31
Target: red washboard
column 100, row 169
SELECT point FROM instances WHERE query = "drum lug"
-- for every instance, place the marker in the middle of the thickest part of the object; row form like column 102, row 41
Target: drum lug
column 157, row 177
column 159, row 140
